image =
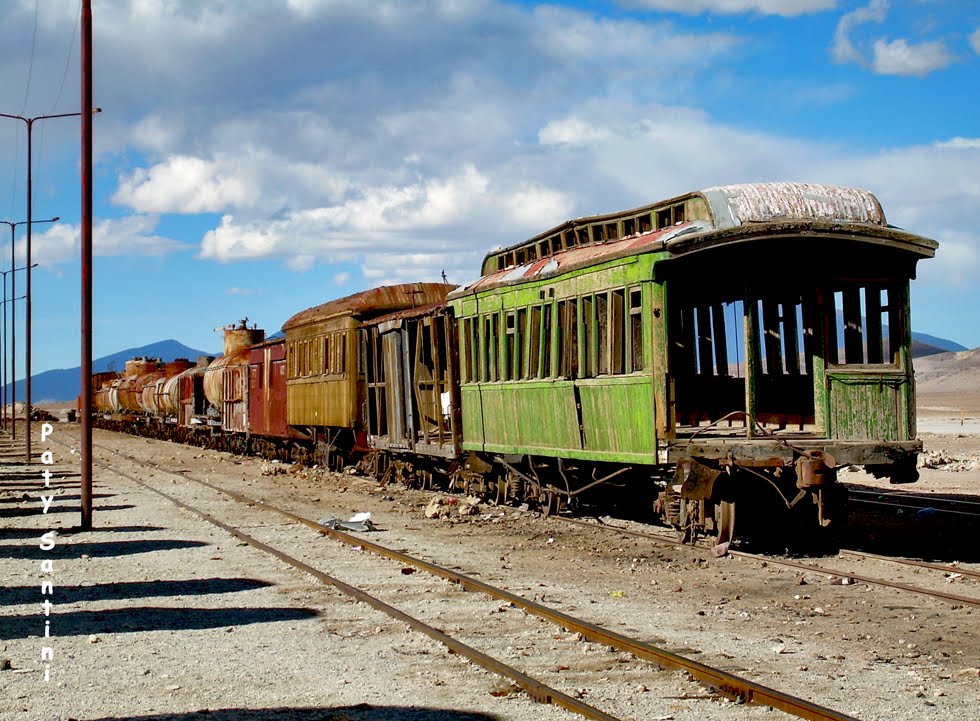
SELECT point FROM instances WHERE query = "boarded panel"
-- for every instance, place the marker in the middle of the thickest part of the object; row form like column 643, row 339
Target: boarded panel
column 868, row 407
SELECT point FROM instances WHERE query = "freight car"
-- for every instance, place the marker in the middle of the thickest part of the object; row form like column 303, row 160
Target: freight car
column 728, row 348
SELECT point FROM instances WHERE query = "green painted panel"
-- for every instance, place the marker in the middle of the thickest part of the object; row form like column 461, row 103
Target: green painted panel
column 472, row 418
column 618, row 414
column 868, row 407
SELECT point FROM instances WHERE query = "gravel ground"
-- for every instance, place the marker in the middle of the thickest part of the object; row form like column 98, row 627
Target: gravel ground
column 160, row 615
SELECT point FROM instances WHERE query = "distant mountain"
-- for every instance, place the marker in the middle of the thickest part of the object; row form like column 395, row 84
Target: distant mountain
column 65, row 384
column 930, row 342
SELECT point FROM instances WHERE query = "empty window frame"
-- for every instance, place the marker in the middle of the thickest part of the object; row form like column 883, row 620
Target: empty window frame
column 863, row 321
column 637, row 359
column 587, row 347
column 533, row 368
column 567, row 328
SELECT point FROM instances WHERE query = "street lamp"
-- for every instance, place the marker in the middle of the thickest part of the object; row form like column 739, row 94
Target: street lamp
column 30, row 126
column 13, row 317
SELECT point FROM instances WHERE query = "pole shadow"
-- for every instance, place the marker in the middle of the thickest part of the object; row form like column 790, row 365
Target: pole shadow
column 16, row 595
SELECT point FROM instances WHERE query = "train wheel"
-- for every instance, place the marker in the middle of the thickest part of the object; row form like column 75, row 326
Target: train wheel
column 724, row 521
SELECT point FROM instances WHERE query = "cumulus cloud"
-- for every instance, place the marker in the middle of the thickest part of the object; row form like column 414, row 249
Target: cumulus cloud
column 887, row 57
column 786, row 8
column 898, row 57
column 975, row 41
column 131, row 235
column 843, row 49
column 428, row 218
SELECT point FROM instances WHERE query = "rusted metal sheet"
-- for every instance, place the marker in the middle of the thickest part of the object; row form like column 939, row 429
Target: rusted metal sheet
column 372, row 302
column 267, row 389
column 582, row 257
column 225, row 385
column 148, row 396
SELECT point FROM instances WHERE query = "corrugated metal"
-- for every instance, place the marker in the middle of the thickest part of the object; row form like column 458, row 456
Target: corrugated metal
column 733, row 205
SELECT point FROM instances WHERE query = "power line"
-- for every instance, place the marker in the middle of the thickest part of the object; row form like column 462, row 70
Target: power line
column 30, row 66
column 71, row 50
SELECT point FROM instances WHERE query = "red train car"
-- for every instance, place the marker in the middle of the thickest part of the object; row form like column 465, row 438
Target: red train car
column 267, row 399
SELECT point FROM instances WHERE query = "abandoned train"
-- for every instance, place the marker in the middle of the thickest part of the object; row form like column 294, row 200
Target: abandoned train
column 728, row 348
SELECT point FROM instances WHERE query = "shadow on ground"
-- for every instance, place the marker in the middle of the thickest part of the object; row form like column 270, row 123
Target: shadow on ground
column 360, row 712
column 146, row 618
column 15, row 595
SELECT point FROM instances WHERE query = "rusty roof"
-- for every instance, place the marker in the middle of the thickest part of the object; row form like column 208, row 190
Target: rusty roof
column 373, row 302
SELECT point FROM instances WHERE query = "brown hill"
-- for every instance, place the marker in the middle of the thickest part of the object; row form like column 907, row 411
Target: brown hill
column 946, row 381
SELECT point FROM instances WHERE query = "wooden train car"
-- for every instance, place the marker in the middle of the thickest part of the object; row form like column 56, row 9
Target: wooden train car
column 324, row 379
column 412, row 408
column 740, row 333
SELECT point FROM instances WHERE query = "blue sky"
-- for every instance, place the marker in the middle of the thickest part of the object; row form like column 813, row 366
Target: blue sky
column 255, row 158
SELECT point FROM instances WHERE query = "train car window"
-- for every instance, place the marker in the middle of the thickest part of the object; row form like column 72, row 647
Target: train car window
column 509, row 343
column 663, row 219
column 471, row 337
column 616, row 327
column 568, row 338
column 547, row 335
column 495, row 344
column 860, row 321
column 519, row 359
column 532, row 368
column 602, row 334
column 637, row 360
column 587, row 346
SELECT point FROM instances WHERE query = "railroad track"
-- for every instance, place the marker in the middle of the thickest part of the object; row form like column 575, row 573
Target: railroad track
column 815, row 568
column 915, row 503
column 718, row 681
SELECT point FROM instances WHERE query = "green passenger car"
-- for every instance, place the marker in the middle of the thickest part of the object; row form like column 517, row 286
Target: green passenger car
column 702, row 343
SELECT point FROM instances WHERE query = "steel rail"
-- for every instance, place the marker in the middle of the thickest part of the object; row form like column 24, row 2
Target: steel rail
column 913, row 562
column 723, row 682
column 794, row 564
column 891, row 504
column 537, row 690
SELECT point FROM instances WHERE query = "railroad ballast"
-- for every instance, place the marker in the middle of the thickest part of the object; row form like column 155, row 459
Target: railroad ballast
column 726, row 349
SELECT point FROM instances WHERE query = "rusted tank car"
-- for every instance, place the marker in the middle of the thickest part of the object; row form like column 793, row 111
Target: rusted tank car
column 323, row 390
column 411, row 410
column 226, row 383
column 187, row 395
column 138, row 373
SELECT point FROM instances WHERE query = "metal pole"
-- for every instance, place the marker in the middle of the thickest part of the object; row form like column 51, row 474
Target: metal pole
column 3, row 355
column 13, row 339
column 86, row 243
column 27, row 330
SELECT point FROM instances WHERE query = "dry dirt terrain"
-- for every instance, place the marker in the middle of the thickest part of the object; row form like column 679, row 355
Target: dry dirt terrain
column 159, row 615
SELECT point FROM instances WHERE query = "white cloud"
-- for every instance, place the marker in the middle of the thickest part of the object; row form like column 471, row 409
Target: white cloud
column 570, row 131
column 131, row 235
column 843, row 49
column 430, row 218
column 975, row 41
column 887, row 57
column 184, row 184
column 786, row 8
column 240, row 291
column 899, row 58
